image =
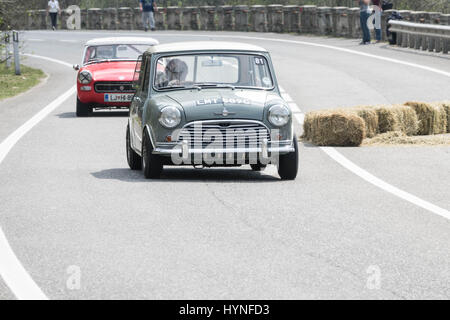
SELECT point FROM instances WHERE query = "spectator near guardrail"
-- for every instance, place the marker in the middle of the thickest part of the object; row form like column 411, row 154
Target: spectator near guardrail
column 53, row 9
column 377, row 8
column 148, row 7
column 364, row 14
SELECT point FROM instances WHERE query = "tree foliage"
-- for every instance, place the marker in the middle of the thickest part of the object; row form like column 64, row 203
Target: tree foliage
column 417, row 5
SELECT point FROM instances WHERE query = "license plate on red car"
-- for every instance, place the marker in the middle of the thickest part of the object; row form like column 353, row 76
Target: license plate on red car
column 118, row 97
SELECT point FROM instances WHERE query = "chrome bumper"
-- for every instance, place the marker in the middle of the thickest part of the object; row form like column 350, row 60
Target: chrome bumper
column 265, row 149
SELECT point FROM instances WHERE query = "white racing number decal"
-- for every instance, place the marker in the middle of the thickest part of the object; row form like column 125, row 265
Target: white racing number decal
column 205, row 102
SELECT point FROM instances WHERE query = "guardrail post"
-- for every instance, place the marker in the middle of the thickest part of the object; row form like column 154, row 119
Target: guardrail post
column 433, row 40
column 291, row 17
column 95, row 18
column 125, row 18
column 275, row 18
column 16, row 52
column 186, row 18
column 31, row 20
column 241, row 18
column 7, row 50
column 258, row 18
column 384, row 16
column 324, row 21
column 42, row 20
column 205, row 18
column 445, row 19
column 64, row 16
column 160, row 21
column 109, row 19
column 173, row 18
column 308, row 19
column 354, row 23
column 412, row 38
column 84, row 19
column 225, row 18
column 137, row 19
column 340, row 21
column 195, row 25
column 402, row 39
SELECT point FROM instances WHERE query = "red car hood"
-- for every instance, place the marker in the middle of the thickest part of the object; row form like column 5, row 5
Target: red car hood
column 112, row 71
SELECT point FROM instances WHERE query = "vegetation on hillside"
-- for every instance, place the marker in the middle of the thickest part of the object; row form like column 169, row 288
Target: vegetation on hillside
column 12, row 85
column 418, row 5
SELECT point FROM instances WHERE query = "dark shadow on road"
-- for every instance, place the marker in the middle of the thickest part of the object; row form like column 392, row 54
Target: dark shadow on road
column 102, row 114
column 188, row 174
column 415, row 52
column 66, row 115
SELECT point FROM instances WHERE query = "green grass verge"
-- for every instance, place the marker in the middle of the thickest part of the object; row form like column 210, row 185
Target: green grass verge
column 11, row 85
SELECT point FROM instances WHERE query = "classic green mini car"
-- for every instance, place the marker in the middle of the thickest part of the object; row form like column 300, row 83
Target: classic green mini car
column 209, row 104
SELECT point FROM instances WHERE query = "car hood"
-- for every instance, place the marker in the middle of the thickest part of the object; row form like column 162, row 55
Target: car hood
column 222, row 104
column 112, row 71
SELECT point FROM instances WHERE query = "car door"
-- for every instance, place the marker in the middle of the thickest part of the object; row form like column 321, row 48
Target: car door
column 137, row 105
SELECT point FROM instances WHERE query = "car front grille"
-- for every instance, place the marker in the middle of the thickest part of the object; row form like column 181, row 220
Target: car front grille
column 224, row 134
column 111, row 87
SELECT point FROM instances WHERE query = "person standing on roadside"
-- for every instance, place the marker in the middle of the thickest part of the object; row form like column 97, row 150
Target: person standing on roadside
column 53, row 9
column 378, row 10
column 148, row 7
column 364, row 14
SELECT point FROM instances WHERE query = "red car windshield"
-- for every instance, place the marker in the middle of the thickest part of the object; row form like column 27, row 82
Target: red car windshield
column 117, row 52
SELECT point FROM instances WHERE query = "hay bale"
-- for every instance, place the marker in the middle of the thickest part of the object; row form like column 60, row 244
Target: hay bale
column 397, row 118
column 432, row 117
column 334, row 128
column 446, row 106
column 386, row 119
column 370, row 117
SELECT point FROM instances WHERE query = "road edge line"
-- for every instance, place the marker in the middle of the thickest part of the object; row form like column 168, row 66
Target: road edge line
column 12, row 271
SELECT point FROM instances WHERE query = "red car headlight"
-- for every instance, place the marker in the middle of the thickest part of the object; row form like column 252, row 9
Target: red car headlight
column 85, row 77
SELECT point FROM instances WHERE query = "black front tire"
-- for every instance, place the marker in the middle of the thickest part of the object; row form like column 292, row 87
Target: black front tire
column 134, row 160
column 151, row 163
column 288, row 164
column 83, row 110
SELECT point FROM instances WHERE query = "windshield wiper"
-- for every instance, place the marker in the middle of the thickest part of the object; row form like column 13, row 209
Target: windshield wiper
column 180, row 87
column 106, row 60
column 215, row 85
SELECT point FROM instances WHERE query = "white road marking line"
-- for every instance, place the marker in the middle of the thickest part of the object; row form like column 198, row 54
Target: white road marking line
column 71, row 41
column 48, row 59
column 294, row 107
column 11, row 269
column 342, row 160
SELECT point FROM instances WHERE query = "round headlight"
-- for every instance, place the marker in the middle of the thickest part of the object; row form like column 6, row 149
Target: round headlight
column 85, row 77
column 279, row 115
column 170, row 117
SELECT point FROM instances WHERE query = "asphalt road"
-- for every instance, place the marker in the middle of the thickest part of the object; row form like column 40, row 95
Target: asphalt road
column 69, row 200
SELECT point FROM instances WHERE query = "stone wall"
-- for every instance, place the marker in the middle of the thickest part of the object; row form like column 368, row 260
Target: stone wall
column 307, row 19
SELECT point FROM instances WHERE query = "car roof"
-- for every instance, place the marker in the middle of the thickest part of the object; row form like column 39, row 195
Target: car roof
column 122, row 40
column 204, row 46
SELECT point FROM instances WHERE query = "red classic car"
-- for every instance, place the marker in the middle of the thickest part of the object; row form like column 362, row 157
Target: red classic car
column 105, row 79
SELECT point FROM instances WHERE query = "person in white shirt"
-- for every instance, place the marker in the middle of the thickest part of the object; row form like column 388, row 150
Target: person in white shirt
column 53, row 9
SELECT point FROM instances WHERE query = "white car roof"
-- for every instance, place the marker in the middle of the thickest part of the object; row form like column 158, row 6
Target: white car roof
column 204, row 46
column 122, row 40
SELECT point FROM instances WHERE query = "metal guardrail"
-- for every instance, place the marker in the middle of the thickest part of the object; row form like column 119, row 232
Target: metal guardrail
column 431, row 37
column 7, row 55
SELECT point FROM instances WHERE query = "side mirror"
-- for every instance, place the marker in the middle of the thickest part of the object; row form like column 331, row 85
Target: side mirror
column 76, row 67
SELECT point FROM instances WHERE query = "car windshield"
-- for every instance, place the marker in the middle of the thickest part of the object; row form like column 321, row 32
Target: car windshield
column 113, row 52
column 213, row 70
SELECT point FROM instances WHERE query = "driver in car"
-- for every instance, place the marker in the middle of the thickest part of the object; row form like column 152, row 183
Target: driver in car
column 105, row 52
column 176, row 72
